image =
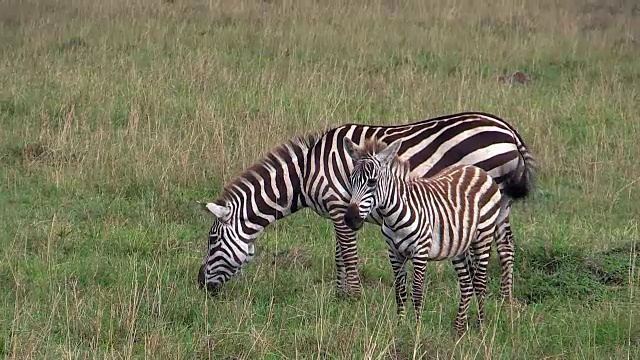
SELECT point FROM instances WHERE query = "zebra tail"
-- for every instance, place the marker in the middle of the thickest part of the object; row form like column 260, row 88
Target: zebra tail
column 521, row 184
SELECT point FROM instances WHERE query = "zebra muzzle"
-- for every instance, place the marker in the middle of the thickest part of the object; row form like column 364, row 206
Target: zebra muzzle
column 212, row 289
column 352, row 217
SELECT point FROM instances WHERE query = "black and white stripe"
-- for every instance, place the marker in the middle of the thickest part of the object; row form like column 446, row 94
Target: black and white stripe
column 434, row 218
column 313, row 172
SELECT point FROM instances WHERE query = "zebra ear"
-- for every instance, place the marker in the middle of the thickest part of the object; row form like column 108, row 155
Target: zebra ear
column 385, row 156
column 351, row 148
column 219, row 211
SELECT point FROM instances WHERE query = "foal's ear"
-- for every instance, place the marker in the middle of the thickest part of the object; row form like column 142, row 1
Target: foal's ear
column 389, row 153
column 351, row 148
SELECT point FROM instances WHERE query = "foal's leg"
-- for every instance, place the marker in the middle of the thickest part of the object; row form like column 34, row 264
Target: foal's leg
column 398, row 262
column 466, row 292
column 419, row 269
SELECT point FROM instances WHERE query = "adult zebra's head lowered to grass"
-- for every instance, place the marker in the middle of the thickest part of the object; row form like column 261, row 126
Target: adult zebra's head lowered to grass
column 226, row 252
column 268, row 190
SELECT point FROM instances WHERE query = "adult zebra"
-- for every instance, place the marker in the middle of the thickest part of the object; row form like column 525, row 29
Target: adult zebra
column 313, row 172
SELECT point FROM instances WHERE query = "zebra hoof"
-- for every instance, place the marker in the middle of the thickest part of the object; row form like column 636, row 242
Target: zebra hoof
column 460, row 327
column 349, row 292
column 460, row 332
column 514, row 304
column 348, row 295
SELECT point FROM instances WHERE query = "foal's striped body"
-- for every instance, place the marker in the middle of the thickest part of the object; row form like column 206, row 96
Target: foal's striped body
column 436, row 218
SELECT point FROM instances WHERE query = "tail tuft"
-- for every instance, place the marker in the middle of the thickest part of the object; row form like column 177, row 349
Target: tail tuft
column 522, row 183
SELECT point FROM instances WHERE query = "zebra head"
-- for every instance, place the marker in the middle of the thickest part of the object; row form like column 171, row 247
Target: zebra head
column 370, row 169
column 227, row 250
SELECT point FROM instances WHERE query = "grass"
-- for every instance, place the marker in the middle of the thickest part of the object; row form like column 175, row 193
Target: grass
column 117, row 116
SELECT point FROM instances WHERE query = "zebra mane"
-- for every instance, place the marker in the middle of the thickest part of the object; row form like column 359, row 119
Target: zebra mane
column 399, row 167
column 272, row 159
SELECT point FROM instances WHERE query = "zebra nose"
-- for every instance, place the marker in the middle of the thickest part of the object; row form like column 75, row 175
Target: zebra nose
column 352, row 217
column 212, row 289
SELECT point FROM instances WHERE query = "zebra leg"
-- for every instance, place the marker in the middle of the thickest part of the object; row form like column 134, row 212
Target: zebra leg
column 347, row 259
column 506, row 250
column 341, row 274
column 481, row 254
column 419, row 269
column 398, row 262
column 470, row 265
column 466, row 292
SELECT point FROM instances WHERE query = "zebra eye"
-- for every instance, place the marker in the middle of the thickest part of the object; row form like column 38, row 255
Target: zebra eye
column 372, row 182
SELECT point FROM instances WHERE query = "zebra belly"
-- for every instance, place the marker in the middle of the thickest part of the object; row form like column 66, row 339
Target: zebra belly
column 403, row 243
column 443, row 247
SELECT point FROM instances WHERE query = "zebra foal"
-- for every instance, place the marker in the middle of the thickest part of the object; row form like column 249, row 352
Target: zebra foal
column 442, row 217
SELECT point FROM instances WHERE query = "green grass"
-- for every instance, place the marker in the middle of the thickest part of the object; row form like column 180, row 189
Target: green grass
column 117, row 116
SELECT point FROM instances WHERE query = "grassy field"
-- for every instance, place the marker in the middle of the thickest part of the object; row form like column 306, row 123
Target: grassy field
column 116, row 116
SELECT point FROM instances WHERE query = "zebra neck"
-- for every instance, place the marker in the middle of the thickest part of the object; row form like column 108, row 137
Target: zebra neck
column 395, row 200
column 270, row 189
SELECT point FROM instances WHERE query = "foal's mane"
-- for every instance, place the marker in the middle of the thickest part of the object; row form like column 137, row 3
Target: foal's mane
column 373, row 146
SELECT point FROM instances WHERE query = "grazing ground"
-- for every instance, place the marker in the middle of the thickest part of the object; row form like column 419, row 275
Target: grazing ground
column 116, row 116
